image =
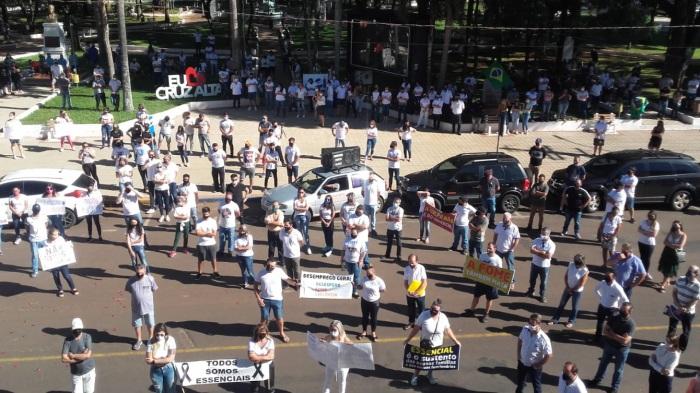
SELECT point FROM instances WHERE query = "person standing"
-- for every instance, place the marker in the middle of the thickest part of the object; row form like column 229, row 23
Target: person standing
column 248, row 158
column 228, row 212
column 618, row 333
column 629, row 271
column 415, row 281
column 261, row 350
column 492, row 259
column 537, row 154
column 37, row 231
column 340, row 131
column 574, row 198
column 359, row 221
column 142, row 286
column 686, row 294
column 77, row 353
column 268, row 292
column 115, row 85
column 218, row 167
column 181, row 214
column 424, row 198
column 648, row 230
column 98, row 90
column 94, row 217
column 372, row 134
column 575, row 279
column 191, row 193
column 433, row 325
column 337, row 334
column 160, row 355
column 161, row 184
column 226, row 128
column 538, row 201
column 64, row 85
column 534, row 351
column 657, row 134
column 243, row 249
column 611, row 296
column 629, row 182
column 457, row 107
column 406, row 136
column 393, row 157
column 569, row 381
column 292, row 240
column 574, row 172
column 87, row 160
column 274, row 220
column 136, row 242
column 394, row 226
column 327, row 215
column 354, row 251
column 673, row 254
column 506, row 237
column 372, row 287
column 662, row 364
column 55, row 239
column 608, row 229
column 301, row 217
column 347, row 209
column 236, row 92
column 600, row 129
column 271, row 159
column 489, row 186
column 542, row 250
column 13, row 131
column 461, row 227
column 56, row 220
column 202, row 125
column 437, row 112
column 292, row 155
column 424, row 111
column 206, row 246
column 370, row 192
column 477, row 232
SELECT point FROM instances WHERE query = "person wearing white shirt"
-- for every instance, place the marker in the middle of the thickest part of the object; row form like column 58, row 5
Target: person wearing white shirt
column 191, row 193
column 385, row 102
column 181, row 214
column 575, row 279
column 534, row 351
column 424, row 199
column 370, row 192
column 372, row 286
column 424, row 113
column 491, row 258
column 206, row 230
column 402, row 101
column 463, row 213
column 542, row 250
column 236, row 92
column 415, row 281
column 292, row 154
column 600, row 129
column 611, row 296
column 261, row 350
column 457, row 107
column 218, row 167
column 607, row 232
column 280, row 101
column 437, row 112
column 252, row 87
column 361, row 222
column 506, row 237
column 243, row 249
column 663, row 363
column 629, row 182
column 569, row 381
column 406, row 135
column 268, row 292
column 129, row 199
column 226, row 129
column 393, row 157
column 372, row 134
column 617, row 197
column 13, row 132
column 301, row 100
column 292, row 241
column 648, row 230
column 394, row 226
column 354, row 251
column 340, row 130
column 37, row 231
column 229, row 211
column 161, row 184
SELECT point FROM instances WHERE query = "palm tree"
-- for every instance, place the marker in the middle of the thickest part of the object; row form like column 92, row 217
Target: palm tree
column 234, row 33
column 126, row 78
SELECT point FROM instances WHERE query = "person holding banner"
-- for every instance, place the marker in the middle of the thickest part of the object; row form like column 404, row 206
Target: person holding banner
column 433, row 325
column 261, row 349
column 461, row 228
column 424, row 198
column 37, row 231
column 160, row 355
column 491, row 258
column 372, row 287
column 534, row 351
column 268, row 292
column 415, row 280
column 56, row 220
column 56, row 240
column 336, row 334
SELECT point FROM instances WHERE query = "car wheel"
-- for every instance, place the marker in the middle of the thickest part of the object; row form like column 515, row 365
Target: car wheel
column 595, row 204
column 510, row 203
column 69, row 218
column 438, row 204
column 380, row 204
column 680, row 200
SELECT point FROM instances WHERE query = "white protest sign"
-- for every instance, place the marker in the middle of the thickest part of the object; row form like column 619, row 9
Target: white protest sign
column 205, row 372
column 88, row 206
column 326, row 286
column 340, row 355
column 315, row 81
column 56, row 255
column 52, row 206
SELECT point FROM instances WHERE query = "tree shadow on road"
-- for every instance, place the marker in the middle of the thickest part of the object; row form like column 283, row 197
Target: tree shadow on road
column 98, row 336
column 9, row 289
column 351, row 320
column 511, row 373
column 211, row 328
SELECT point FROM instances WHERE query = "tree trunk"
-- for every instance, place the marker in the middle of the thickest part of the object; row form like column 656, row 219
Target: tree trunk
column 475, row 35
column 307, row 30
column 126, row 78
column 338, row 16
column 105, row 45
column 449, row 20
column 681, row 41
column 233, row 33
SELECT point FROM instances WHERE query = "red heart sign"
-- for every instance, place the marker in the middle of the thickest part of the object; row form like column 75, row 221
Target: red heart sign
column 194, row 78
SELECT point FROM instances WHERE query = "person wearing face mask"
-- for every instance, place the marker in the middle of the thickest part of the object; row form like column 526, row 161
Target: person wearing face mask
column 575, row 198
column 611, row 295
column 268, row 292
column 424, row 199
column 372, row 134
column 491, row 258
column 218, row 167
column 191, row 193
column 489, row 186
column 162, row 192
column 686, row 294
column 292, row 154
column 181, row 214
column 415, row 281
column 292, row 242
column 663, row 362
column 569, row 382
column 608, row 229
column 206, row 246
column 354, row 251
column 18, row 204
column 37, row 232
column 394, row 226
column 617, row 335
column 370, row 192
column 142, row 286
column 461, row 227
column 248, row 158
column 360, row 222
column 393, row 157
column 506, row 237
column 534, row 351
column 261, row 350
column 94, row 216
column 575, row 279
column 152, row 166
column 54, row 238
column 673, row 254
column 648, row 230
column 77, row 353
column 347, row 209
column 228, row 212
column 300, row 217
column 336, row 334
column 271, row 159
column 538, row 200
column 327, row 215
column 238, row 191
column 226, row 129
column 433, row 325
column 372, row 287
column 542, row 250
column 274, row 221
column 243, row 248
column 629, row 270
column 160, row 355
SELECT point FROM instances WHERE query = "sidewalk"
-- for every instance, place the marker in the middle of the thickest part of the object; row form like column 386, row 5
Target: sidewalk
column 33, row 94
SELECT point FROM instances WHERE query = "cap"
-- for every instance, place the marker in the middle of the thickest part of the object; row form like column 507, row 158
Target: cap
column 76, row 324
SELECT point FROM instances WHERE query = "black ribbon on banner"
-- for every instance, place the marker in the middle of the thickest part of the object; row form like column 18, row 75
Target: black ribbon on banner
column 185, row 368
column 258, row 370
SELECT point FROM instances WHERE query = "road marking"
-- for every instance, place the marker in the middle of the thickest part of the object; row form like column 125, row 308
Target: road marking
column 299, row 344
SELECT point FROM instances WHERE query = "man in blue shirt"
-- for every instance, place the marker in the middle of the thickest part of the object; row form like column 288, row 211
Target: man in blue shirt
column 629, row 270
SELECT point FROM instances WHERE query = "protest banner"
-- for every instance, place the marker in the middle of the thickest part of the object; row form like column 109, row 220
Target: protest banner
column 207, row 372
column 52, row 206
column 484, row 273
column 440, row 358
column 325, row 286
column 340, row 355
column 445, row 221
column 315, row 81
column 56, row 255
column 88, row 206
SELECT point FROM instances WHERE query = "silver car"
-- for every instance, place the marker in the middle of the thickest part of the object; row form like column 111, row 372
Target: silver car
column 318, row 182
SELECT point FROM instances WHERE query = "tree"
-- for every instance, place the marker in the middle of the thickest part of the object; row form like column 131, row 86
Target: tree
column 234, row 33
column 103, row 35
column 338, row 16
column 681, row 40
column 451, row 7
column 126, row 78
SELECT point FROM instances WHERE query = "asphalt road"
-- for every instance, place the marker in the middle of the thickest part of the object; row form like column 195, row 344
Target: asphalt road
column 213, row 320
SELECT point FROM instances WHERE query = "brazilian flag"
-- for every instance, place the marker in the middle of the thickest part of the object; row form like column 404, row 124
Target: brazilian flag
column 498, row 76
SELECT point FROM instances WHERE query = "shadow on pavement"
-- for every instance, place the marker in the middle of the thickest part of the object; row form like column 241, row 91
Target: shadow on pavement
column 98, row 336
column 9, row 289
column 210, row 328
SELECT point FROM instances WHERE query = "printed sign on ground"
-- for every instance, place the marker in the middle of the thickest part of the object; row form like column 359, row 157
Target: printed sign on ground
column 56, row 255
column 445, row 221
column 325, row 286
column 484, row 273
column 52, row 206
column 205, row 372
column 88, row 206
column 440, row 358
column 338, row 355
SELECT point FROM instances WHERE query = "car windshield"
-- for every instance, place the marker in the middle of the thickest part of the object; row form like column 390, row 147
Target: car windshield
column 309, row 182
column 601, row 166
column 447, row 168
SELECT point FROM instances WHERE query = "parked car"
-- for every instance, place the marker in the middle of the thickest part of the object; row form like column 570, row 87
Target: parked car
column 318, row 182
column 460, row 175
column 664, row 177
column 68, row 183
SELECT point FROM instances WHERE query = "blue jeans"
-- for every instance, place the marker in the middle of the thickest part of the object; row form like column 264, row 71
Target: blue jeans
column 526, row 120
column 226, row 235
column 475, row 249
column 371, row 143
column 246, row 264
column 67, row 103
column 371, row 212
column 163, row 378
column 509, row 258
column 339, row 142
column 535, row 375
column 577, row 221
column 354, row 269
column 575, row 298
column 204, row 142
column 106, row 131
column 620, row 356
column 56, row 221
column 461, row 233
column 301, row 222
column 280, row 108
column 407, row 147
column 543, row 274
column 490, row 206
column 35, row 254
column 140, row 253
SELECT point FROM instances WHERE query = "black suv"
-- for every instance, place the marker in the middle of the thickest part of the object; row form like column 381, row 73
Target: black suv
column 460, row 175
column 664, row 177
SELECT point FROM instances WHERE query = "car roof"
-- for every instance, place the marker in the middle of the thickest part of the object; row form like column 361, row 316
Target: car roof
column 62, row 176
column 321, row 171
column 636, row 154
column 471, row 157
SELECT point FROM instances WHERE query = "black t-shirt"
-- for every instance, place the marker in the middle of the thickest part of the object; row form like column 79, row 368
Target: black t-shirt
column 136, row 133
column 116, row 133
column 575, row 198
column 620, row 326
column 574, row 172
column 489, row 187
column 537, row 154
column 237, row 192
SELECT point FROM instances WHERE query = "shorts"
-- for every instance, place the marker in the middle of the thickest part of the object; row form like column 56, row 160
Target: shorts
column 294, row 170
column 276, row 306
column 138, row 320
column 629, row 203
column 14, row 141
column 598, row 142
column 247, row 172
column 251, row 98
column 609, row 244
column 206, row 253
column 480, row 289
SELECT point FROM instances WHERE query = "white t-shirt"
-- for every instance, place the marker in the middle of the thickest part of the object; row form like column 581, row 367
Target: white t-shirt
column 245, row 241
column 226, row 126
column 371, row 289
column 190, row 190
column 619, row 198
column 207, row 225
column 249, row 156
column 386, row 97
column 151, row 168
column 360, row 220
column 38, row 231
column 130, row 204
column 227, row 214
column 136, row 238
column 264, row 350
column 182, row 211
column 457, row 107
column 423, row 201
column 371, row 192
column 271, row 283
column 437, row 106
column 18, row 203
column 292, row 153
column 353, row 249
column 546, row 246
column 372, row 133
column 125, row 173
column 407, row 135
column 630, row 183
column 252, row 85
column 648, row 240
column 611, row 296
column 341, row 130
column 506, row 236
column 494, row 260
column 394, row 153
column 160, row 349
column 534, row 346
column 395, row 212
column 236, row 88
column 13, row 129
column 291, row 243
column 462, row 214
column 414, row 274
column 574, row 274
column 577, row 386
column 160, row 180
column 433, row 329
column 609, row 225
column 217, row 158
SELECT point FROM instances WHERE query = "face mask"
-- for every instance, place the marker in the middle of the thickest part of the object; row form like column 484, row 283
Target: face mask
column 370, row 276
column 262, row 336
column 434, row 312
column 160, row 338
column 77, row 332
column 288, row 229
column 353, row 236
column 568, row 378
column 544, row 237
column 228, row 200
column 185, row 182
column 397, row 204
column 334, row 333
column 269, row 268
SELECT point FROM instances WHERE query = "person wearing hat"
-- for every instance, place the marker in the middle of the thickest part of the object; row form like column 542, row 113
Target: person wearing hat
column 77, row 352
column 37, row 225
column 537, row 155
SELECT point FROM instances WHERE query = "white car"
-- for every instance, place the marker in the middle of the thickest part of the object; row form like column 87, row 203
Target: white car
column 69, row 184
column 318, row 182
